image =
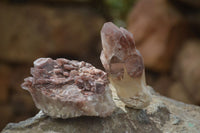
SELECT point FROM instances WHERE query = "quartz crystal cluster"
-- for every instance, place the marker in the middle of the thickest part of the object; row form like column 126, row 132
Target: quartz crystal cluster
column 63, row 88
column 124, row 65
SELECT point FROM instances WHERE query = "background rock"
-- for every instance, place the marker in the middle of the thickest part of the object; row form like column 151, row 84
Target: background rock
column 192, row 3
column 16, row 104
column 46, row 31
column 187, row 70
column 158, row 29
column 6, row 114
column 161, row 28
column 177, row 91
column 190, row 9
column 5, row 74
column 162, row 84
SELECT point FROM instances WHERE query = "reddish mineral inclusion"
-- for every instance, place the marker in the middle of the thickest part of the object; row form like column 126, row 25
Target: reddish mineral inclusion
column 124, row 65
column 62, row 88
column 119, row 52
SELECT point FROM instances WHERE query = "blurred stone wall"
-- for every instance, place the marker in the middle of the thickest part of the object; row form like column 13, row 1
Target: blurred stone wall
column 167, row 32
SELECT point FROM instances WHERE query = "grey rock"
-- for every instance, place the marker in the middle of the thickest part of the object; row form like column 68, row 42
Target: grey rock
column 162, row 115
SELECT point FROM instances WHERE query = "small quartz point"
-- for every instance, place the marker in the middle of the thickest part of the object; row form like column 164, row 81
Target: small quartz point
column 124, row 65
column 62, row 88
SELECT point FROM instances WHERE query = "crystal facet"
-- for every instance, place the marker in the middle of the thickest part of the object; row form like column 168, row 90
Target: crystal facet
column 62, row 88
column 125, row 67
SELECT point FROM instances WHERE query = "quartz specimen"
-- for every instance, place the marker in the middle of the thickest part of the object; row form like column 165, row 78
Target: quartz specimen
column 62, row 88
column 124, row 64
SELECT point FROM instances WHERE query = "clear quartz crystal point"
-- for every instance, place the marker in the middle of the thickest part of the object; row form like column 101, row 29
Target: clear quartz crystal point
column 124, row 65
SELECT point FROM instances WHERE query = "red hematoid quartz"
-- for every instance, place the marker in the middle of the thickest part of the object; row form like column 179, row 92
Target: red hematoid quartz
column 119, row 52
column 124, row 64
column 62, row 88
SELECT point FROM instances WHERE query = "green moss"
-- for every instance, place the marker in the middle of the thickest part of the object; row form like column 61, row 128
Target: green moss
column 119, row 9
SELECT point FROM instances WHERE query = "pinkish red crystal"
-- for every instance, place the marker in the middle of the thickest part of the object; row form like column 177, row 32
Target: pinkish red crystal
column 124, row 65
column 64, row 88
column 119, row 52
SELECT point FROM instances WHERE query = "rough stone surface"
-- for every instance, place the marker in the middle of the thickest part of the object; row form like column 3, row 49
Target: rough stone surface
column 158, row 29
column 162, row 116
column 62, row 88
column 124, row 64
column 30, row 31
column 186, row 69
